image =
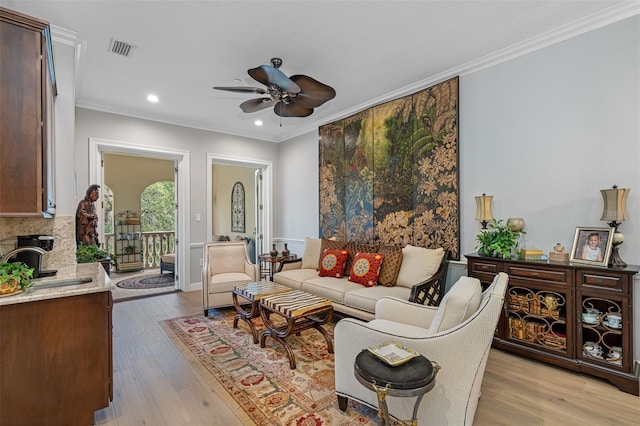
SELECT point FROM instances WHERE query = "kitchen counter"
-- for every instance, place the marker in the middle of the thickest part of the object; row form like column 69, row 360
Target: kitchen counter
column 56, row 356
column 54, row 287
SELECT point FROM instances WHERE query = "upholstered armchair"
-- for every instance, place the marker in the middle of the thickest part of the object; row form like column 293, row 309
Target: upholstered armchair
column 457, row 335
column 224, row 266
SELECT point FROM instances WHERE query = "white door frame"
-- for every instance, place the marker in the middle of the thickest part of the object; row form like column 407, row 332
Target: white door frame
column 99, row 146
column 267, row 179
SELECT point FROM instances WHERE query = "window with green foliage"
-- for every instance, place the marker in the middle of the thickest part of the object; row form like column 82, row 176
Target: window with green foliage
column 107, row 205
column 158, row 207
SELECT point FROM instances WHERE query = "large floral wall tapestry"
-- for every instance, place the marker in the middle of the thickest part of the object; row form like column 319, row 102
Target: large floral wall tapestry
column 389, row 175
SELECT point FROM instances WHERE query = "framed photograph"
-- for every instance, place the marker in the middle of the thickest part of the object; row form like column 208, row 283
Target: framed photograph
column 592, row 246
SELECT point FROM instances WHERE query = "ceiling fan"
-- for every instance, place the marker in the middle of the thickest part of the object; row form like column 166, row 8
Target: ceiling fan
column 294, row 96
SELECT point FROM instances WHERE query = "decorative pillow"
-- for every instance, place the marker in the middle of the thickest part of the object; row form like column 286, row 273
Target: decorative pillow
column 329, row 244
column 366, row 267
column 460, row 302
column 418, row 264
column 355, row 248
column 332, row 263
column 390, row 266
column 311, row 255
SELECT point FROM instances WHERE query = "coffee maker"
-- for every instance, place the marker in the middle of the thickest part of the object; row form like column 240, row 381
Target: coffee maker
column 33, row 259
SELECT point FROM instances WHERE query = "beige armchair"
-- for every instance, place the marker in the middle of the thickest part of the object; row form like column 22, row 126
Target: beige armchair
column 224, row 266
column 457, row 335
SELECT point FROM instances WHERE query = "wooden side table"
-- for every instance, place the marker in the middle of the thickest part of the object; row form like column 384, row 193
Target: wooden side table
column 301, row 311
column 253, row 292
column 273, row 262
column 415, row 377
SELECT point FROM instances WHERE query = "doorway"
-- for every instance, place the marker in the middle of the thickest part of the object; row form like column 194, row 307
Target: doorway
column 255, row 177
column 98, row 148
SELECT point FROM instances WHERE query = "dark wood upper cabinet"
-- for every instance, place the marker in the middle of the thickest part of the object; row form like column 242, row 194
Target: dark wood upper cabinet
column 27, row 94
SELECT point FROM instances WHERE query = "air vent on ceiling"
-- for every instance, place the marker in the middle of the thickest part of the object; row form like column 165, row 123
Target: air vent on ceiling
column 121, row 48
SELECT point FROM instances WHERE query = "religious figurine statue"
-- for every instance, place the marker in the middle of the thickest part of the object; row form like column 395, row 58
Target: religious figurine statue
column 87, row 219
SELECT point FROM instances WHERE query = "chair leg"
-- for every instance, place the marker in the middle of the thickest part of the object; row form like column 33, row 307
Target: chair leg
column 343, row 401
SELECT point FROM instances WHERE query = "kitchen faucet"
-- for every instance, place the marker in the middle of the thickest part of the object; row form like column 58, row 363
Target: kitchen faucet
column 12, row 253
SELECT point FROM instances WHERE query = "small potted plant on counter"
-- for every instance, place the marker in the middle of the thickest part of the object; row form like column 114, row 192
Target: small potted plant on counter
column 14, row 276
column 92, row 253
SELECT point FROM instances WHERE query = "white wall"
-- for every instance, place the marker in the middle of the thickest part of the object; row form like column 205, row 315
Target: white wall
column 546, row 132
column 297, row 206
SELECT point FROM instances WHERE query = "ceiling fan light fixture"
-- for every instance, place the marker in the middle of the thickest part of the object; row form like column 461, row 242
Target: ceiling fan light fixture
column 294, row 96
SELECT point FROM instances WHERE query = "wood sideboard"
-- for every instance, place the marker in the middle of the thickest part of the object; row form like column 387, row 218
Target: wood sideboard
column 543, row 319
column 56, row 364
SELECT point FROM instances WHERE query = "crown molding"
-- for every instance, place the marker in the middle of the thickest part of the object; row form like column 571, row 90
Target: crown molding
column 601, row 19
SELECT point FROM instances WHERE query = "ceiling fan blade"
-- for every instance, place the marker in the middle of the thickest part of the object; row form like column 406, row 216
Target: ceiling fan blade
column 269, row 75
column 312, row 93
column 292, row 110
column 243, row 89
column 253, row 105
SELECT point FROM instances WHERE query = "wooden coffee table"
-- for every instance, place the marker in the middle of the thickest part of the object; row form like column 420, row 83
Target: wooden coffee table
column 301, row 311
column 253, row 292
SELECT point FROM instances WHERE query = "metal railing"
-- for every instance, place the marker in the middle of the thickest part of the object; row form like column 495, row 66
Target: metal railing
column 154, row 245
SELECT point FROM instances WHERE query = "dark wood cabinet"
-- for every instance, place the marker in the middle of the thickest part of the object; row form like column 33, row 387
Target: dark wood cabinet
column 27, row 93
column 543, row 316
column 56, row 360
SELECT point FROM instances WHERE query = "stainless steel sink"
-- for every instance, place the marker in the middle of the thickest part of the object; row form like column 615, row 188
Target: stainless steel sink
column 61, row 282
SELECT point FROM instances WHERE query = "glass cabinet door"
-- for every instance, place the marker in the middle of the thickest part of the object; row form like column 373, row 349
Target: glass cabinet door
column 601, row 331
column 538, row 317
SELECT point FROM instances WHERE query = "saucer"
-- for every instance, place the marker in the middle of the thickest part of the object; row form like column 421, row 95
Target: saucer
column 589, row 354
column 618, row 327
column 590, row 321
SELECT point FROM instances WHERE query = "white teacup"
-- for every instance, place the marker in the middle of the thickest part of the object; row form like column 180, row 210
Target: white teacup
column 592, row 348
column 589, row 317
column 614, row 320
column 614, row 355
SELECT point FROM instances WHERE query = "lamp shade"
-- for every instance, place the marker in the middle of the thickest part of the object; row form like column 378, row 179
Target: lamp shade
column 615, row 204
column 483, row 205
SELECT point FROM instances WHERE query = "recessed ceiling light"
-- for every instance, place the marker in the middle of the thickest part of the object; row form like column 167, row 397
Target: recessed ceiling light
column 258, row 122
column 153, row 98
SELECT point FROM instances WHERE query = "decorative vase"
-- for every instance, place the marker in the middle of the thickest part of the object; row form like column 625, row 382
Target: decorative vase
column 285, row 250
column 273, row 251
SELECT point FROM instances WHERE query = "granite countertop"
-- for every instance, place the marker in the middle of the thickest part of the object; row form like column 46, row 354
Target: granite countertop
column 47, row 288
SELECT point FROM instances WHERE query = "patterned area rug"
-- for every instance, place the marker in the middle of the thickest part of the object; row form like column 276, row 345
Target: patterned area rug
column 153, row 281
column 258, row 380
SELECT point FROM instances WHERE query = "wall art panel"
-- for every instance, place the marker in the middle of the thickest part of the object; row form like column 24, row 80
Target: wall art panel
column 390, row 174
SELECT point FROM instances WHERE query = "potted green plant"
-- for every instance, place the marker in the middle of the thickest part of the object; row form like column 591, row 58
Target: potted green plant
column 14, row 276
column 499, row 240
column 92, row 253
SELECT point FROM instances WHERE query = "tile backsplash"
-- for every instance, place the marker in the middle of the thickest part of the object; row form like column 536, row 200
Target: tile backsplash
column 61, row 227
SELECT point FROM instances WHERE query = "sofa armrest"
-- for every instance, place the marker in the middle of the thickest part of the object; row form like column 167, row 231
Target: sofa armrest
column 287, row 265
column 404, row 312
column 432, row 290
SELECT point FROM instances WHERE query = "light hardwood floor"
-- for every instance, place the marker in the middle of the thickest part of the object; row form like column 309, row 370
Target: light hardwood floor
column 155, row 385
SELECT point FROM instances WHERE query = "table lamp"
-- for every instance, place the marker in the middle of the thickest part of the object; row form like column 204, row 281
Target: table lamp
column 483, row 209
column 615, row 211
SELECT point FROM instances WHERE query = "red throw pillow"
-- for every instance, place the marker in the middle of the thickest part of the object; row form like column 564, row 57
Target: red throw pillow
column 366, row 268
column 332, row 263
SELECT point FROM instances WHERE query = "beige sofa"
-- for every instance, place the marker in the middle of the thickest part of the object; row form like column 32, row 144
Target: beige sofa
column 420, row 278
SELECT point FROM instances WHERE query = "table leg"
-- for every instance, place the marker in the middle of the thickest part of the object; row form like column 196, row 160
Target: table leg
column 318, row 323
column 246, row 315
column 278, row 333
